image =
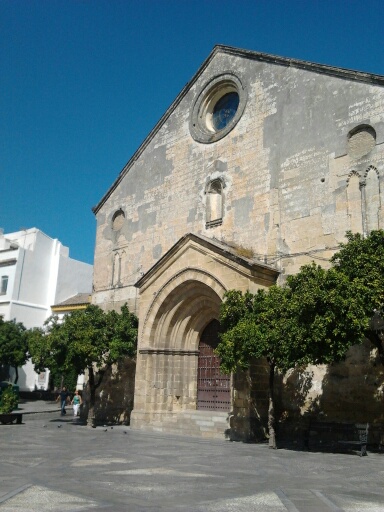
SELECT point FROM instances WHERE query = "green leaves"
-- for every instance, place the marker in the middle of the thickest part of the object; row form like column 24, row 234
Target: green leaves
column 13, row 344
column 122, row 334
column 255, row 326
column 315, row 317
column 8, row 400
column 362, row 261
column 39, row 349
column 85, row 338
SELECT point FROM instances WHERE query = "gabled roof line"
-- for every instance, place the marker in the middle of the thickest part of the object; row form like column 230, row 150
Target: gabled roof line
column 213, row 244
column 79, row 299
column 153, row 132
column 342, row 73
column 346, row 73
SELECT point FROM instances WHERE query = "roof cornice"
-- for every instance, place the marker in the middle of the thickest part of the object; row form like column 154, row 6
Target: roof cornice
column 69, row 307
column 337, row 72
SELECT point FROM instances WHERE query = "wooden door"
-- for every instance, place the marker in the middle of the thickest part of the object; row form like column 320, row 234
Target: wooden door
column 213, row 387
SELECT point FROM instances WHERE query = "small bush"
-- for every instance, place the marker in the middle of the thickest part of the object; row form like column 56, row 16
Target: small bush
column 8, row 400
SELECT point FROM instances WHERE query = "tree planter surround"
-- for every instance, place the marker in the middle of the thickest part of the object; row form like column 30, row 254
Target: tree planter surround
column 10, row 417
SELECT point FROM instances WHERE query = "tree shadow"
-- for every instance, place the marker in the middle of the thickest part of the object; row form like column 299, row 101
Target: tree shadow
column 4, row 372
column 68, row 420
column 295, row 400
column 114, row 397
column 348, row 392
column 291, row 394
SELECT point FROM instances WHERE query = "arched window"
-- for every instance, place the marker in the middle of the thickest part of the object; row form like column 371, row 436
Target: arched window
column 354, row 203
column 214, row 203
column 118, row 220
column 372, row 199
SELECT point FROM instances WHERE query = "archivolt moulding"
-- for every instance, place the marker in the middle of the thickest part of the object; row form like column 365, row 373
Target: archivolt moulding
column 187, row 301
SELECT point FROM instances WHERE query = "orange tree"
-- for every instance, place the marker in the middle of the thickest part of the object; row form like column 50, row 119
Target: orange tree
column 13, row 345
column 313, row 319
column 361, row 261
column 89, row 339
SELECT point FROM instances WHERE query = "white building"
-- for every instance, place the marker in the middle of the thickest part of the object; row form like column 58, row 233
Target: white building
column 36, row 272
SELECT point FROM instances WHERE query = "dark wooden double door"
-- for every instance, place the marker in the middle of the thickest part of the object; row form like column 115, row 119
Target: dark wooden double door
column 213, row 387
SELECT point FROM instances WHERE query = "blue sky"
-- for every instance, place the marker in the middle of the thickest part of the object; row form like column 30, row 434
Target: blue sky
column 82, row 82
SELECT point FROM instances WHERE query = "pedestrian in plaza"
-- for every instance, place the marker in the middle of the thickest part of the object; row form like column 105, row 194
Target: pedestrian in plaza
column 76, row 402
column 64, row 398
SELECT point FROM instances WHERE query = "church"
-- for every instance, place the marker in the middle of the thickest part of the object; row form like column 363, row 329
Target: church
column 259, row 166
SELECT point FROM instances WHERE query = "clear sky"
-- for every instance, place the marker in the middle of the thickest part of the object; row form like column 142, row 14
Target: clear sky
column 82, row 82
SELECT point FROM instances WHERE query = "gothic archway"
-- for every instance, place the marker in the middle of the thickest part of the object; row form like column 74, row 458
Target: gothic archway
column 181, row 309
column 180, row 300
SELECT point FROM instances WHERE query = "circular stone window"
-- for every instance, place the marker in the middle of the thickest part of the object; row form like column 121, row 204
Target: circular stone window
column 118, row 220
column 217, row 108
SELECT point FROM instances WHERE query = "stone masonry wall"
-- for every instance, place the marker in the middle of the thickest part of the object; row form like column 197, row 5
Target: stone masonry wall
column 285, row 165
column 295, row 179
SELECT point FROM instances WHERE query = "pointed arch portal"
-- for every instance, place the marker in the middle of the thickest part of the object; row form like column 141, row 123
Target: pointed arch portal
column 178, row 383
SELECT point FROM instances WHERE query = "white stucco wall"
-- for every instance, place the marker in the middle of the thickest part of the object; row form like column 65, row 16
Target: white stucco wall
column 73, row 277
column 42, row 275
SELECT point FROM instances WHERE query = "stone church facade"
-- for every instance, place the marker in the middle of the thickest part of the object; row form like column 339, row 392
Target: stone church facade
column 260, row 165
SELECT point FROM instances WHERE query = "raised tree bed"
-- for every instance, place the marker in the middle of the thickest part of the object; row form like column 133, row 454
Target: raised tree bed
column 11, row 417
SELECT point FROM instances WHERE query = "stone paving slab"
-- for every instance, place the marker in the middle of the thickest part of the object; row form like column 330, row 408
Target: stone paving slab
column 55, row 464
column 39, row 406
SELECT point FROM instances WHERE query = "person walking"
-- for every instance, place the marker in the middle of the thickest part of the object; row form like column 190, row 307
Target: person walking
column 76, row 402
column 64, row 398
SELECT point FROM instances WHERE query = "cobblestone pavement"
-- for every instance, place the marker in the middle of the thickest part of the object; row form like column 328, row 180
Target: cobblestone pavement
column 51, row 463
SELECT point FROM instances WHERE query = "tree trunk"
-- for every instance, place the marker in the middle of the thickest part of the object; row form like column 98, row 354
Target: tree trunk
column 271, row 408
column 376, row 340
column 16, row 374
column 91, row 420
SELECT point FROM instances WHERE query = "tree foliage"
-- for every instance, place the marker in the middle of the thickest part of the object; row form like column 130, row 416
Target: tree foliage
column 39, row 349
column 8, row 400
column 361, row 260
column 44, row 357
column 89, row 339
column 253, row 327
column 313, row 319
column 13, row 345
column 327, row 312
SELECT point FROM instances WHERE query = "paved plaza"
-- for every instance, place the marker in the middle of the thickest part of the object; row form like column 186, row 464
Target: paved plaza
column 51, row 463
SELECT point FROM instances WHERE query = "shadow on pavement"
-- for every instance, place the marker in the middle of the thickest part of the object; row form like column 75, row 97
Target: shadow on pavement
column 69, row 420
